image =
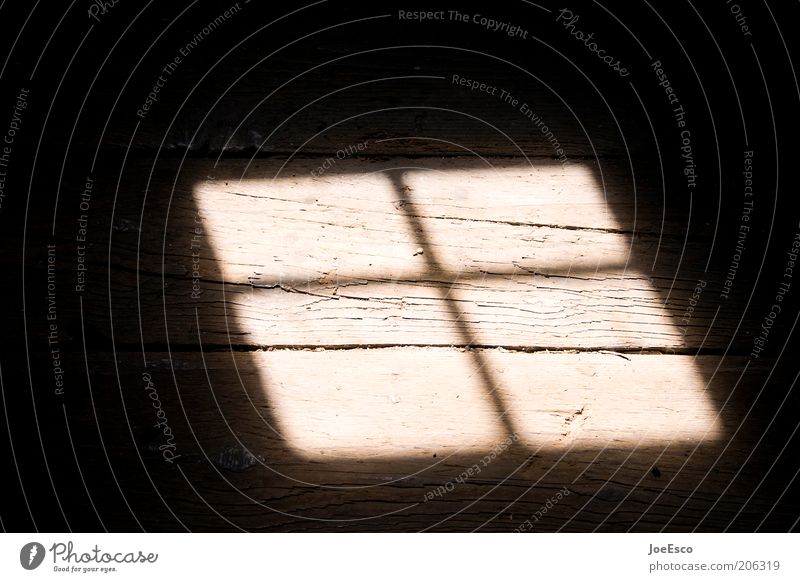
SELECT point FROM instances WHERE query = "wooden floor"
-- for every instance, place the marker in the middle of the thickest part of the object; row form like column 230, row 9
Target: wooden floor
column 335, row 291
column 406, row 344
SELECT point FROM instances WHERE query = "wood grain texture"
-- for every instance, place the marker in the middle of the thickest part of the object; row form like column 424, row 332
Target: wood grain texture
column 389, row 252
column 319, row 284
column 231, row 413
column 412, row 402
column 278, row 301
column 555, row 313
column 400, row 251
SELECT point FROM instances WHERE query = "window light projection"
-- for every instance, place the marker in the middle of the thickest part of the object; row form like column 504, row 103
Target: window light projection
column 430, row 261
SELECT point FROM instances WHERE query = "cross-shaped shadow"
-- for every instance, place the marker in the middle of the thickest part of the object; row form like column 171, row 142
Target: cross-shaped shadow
column 404, row 196
column 266, row 425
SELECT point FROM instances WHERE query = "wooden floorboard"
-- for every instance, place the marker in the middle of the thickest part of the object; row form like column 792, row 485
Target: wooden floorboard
column 337, row 351
column 408, row 438
column 393, row 252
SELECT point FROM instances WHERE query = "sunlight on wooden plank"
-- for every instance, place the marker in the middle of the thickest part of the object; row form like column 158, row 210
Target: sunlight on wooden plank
column 416, row 402
column 447, row 257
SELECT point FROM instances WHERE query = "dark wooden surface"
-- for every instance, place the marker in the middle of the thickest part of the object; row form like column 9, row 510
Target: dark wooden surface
column 350, row 342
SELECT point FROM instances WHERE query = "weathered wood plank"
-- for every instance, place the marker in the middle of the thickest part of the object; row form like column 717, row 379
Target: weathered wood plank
column 399, row 251
column 402, row 251
column 335, row 259
column 580, row 194
column 414, row 402
column 260, row 439
column 593, row 312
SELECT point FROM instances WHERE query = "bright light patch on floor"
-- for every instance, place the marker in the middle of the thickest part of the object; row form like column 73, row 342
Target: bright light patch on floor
column 442, row 255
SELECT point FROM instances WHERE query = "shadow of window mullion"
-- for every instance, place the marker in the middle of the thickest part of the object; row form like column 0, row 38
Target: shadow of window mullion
column 434, row 266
